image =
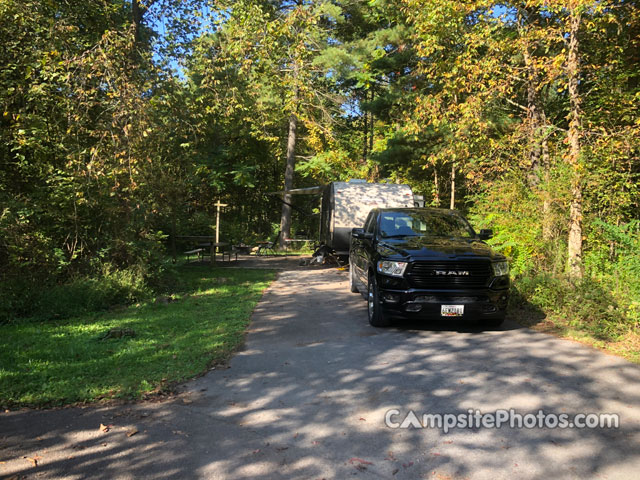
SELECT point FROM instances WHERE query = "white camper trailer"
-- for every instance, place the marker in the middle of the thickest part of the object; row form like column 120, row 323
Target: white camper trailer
column 345, row 205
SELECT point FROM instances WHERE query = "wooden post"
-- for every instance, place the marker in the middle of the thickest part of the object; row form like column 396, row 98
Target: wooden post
column 213, row 247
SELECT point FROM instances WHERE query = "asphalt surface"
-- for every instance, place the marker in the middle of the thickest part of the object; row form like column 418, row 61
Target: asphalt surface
column 307, row 396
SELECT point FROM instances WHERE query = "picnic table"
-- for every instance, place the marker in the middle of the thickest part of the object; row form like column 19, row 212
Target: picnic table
column 207, row 242
column 289, row 241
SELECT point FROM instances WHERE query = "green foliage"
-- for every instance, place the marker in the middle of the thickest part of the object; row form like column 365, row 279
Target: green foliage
column 78, row 297
column 511, row 211
column 107, row 288
column 614, row 262
column 75, row 130
column 586, row 305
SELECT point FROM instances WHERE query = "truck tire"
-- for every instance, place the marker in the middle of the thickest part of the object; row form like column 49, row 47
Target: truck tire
column 376, row 316
column 353, row 287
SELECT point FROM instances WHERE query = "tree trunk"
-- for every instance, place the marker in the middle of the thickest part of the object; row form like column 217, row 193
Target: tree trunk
column 436, row 193
column 533, row 120
column 547, row 226
column 137, row 13
column 174, row 252
column 574, row 260
column 613, row 245
column 285, row 219
column 453, row 186
column 366, row 132
column 371, row 124
column 538, row 143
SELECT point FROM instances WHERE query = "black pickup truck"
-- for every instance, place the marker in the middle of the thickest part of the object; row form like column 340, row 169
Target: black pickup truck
column 427, row 263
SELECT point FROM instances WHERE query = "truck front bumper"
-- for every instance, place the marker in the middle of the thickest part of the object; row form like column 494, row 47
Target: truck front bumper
column 421, row 303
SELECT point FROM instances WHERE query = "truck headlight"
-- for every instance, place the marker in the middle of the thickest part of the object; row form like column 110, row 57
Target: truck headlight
column 395, row 269
column 500, row 269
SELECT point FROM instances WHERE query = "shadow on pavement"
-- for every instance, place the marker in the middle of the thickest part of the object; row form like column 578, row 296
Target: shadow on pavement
column 307, row 398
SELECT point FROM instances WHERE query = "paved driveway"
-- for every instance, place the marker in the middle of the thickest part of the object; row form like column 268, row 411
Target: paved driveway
column 307, row 397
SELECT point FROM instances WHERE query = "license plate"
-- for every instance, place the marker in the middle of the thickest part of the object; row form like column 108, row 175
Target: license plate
column 451, row 310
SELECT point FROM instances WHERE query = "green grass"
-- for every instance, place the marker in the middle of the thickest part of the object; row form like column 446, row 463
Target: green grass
column 45, row 363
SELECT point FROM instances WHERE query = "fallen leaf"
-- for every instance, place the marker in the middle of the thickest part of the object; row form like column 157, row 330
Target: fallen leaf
column 362, row 419
column 132, row 432
column 407, row 465
column 395, row 471
column 359, row 460
column 33, row 461
column 105, row 428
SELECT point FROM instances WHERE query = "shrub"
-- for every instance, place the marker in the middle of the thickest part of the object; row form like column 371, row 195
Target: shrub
column 78, row 296
column 585, row 305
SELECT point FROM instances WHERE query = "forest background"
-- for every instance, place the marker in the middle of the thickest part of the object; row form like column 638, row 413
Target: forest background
column 123, row 122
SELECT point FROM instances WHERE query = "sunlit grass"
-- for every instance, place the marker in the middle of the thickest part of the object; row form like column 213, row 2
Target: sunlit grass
column 179, row 337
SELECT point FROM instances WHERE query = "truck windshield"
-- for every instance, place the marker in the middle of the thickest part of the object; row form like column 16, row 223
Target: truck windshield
column 423, row 223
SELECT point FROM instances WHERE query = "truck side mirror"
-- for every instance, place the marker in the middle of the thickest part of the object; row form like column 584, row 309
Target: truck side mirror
column 485, row 234
column 359, row 233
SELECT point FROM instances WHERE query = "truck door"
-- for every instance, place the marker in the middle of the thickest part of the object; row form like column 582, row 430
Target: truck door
column 360, row 247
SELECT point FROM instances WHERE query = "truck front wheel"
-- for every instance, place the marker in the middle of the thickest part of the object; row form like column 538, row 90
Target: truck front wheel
column 376, row 316
column 353, row 286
